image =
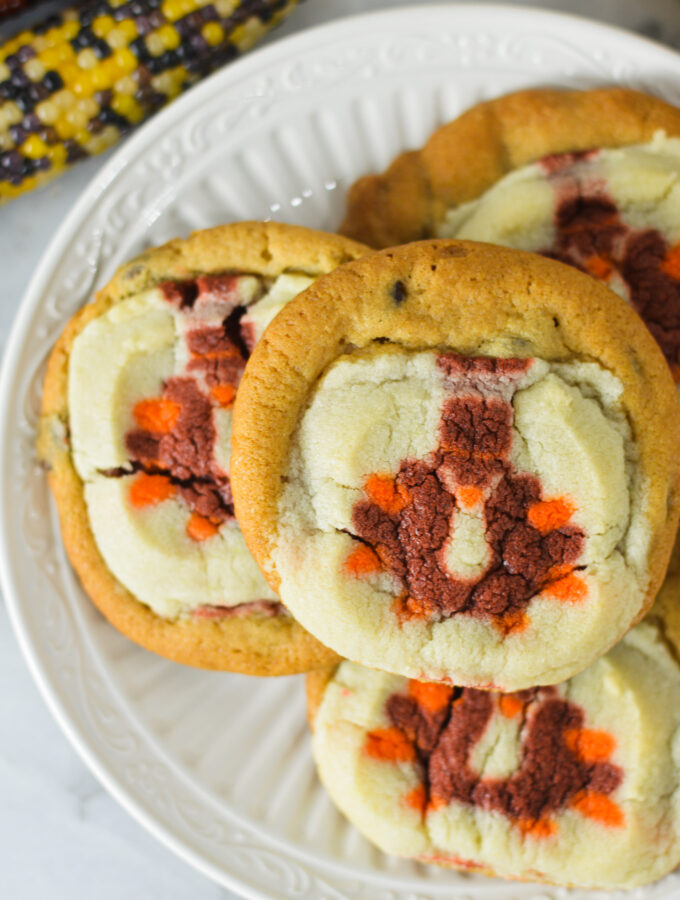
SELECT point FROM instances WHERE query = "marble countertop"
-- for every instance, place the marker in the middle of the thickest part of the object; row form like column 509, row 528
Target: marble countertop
column 62, row 835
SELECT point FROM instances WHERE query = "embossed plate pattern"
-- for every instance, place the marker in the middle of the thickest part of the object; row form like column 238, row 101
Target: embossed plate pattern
column 219, row 766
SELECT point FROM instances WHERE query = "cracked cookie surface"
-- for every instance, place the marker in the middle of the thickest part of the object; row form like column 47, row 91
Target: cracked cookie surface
column 574, row 783
column 136, row 426
column 482, row 513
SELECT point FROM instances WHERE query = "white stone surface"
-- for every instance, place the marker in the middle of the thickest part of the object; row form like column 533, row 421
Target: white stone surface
column 61, row 834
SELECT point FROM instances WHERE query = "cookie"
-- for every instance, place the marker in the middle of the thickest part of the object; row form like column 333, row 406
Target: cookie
column 573, row 784
column 448, row 472
column 466, row 157
column 135, row 433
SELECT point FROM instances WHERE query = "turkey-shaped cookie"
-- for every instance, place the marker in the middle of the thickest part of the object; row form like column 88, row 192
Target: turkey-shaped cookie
column 574, row 783
column 135, row 431
column 450, row 473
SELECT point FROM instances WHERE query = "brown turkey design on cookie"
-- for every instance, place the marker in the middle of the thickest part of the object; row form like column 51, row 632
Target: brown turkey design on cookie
column 408, row 522
column 574, row 783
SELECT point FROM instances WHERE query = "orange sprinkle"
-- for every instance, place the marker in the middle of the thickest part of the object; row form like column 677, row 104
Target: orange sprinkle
column 408, row 608
column 432, row 696
column 539, row 829
column 599, row 267
column 469, row 496
column 362, row 561
column 390, row 497
column 549, row 515
column 592, row 746
column 389, row 744
column 510, row 705
column 146, row 490
column 417, row 799
column 513, row 622
column 159, row 415
column 599, row 808
column 225, row 394
column 570, row 589
column 557, row 572
column 435, row 803
column 200, row 529
column 671, row 263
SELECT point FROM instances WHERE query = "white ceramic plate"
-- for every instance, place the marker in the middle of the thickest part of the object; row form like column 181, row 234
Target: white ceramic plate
column 219, row 766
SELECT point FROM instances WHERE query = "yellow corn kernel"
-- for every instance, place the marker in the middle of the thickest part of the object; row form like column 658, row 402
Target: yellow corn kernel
column 225, row 8
column 129, row 29
column 169, row 36
column 116, row 39
column 33, row 68
column 63, row 99
column 57, row 154
column 5, row 71
column 82, row 137
column 54, row 57
column 244, row 36
column 102, row 25
column 34, row 147
column 127, row 106
column 6, row 142
column 87, row 58
column 70, row 72
column 38, row 43
column 100, row 142
column 84, row 85
column 175, row 9
column 11, row 113
column 65, row 128
column 47, row 112
column 104, row 75
column 213, row 33
column 170, row 82
column 126, row 85
column 70, row 29
column 124, row 60
column 89, row 106
column 77, row 118
column 155, row 45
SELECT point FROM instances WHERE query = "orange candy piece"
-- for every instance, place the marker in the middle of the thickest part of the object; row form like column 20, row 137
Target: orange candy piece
column 362, row 561
column 390, row 497
column 570, row 589
column 389, row 744
column 549, row 515
column 468, row 496
column 200, row 529
column 590, row 745
column 599, row 808
column 599, row 267
column 429, row 695
column 540, row 829
column 671, row 263
column 509, row 705
column 225, row 394
column 417, row 799
column 159, row 415
column 147, row 490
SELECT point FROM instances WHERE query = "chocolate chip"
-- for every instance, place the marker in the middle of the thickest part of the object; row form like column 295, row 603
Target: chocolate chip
column 399, row 292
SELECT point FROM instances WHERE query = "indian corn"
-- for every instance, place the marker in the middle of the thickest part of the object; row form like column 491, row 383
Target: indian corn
column 71, row 86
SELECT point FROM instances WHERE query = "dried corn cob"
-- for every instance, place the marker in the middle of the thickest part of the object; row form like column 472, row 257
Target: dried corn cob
column 72, row 85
